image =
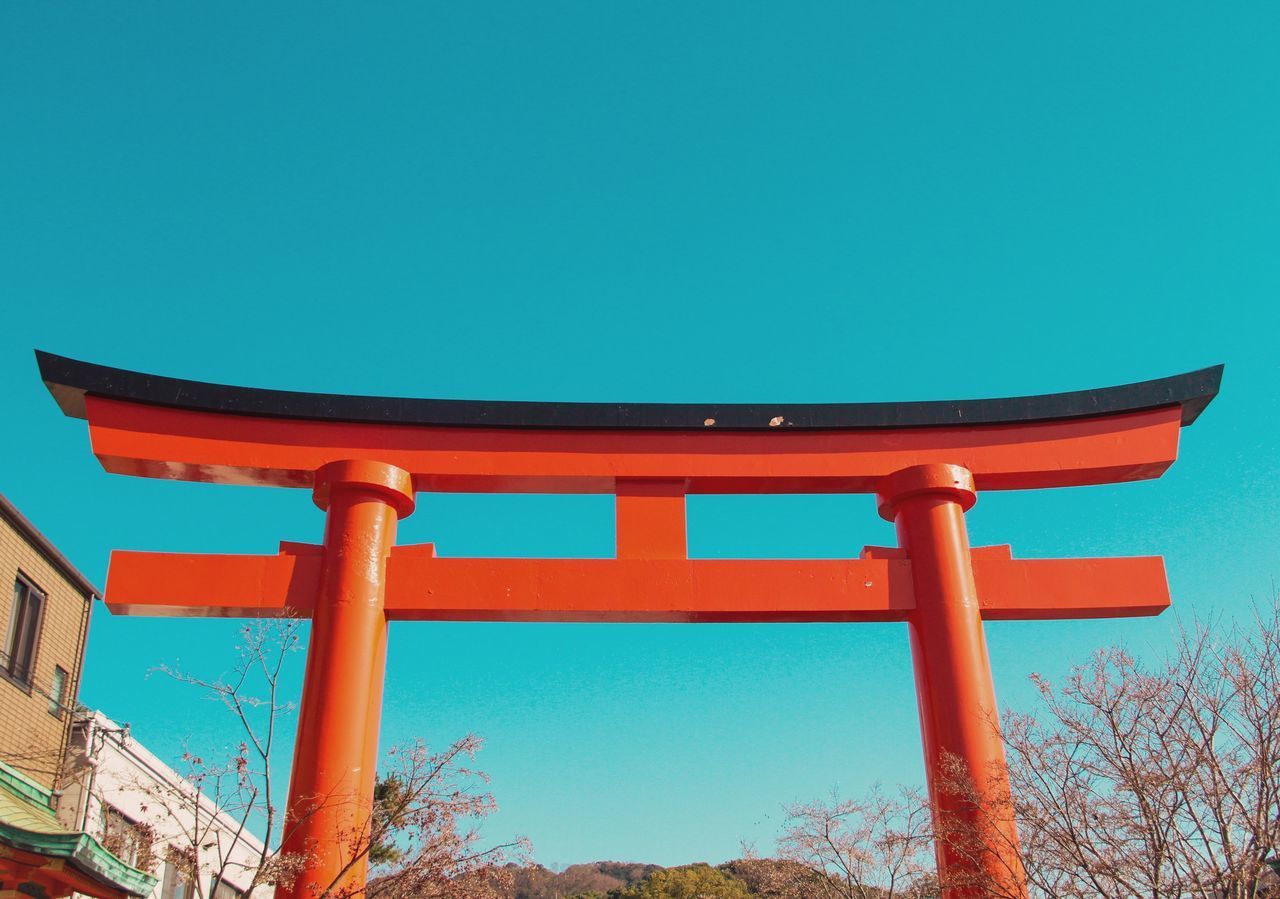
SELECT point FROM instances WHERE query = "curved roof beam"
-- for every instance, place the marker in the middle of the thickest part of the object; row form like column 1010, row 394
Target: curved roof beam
column 70, row 380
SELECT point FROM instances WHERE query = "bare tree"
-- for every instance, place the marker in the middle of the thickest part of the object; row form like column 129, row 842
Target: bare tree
column 421, row 838
column 243, row 786
column 878, row 847
column 424, row 834
column 1158, row 781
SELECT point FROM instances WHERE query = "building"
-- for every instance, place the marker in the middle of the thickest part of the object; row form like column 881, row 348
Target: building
column 41, row 859
column 44, row 619
column 150, row 816
column 83, row 806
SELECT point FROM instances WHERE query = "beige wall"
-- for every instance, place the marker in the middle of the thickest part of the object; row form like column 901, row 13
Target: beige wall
column 31, row 739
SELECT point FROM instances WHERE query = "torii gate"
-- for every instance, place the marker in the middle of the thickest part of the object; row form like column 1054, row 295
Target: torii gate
column 364, row 458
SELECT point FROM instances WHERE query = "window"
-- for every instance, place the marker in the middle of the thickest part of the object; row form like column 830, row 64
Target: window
column 58, row 692
column 19, row 655
column 224, row 890
column 127, row 840
column 174, row 886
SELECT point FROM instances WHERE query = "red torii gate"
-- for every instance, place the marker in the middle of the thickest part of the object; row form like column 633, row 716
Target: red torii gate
column 364, row 458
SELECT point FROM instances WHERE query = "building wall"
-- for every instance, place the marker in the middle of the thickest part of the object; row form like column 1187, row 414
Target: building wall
column 112, row 769
column 31, row 739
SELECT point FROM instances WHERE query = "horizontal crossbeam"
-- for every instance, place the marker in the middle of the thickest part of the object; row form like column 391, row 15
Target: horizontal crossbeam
column 423, row 587
column 179, row 444
column 151, row 426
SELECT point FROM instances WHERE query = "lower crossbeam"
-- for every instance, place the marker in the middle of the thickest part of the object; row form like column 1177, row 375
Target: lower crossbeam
column 423, row 587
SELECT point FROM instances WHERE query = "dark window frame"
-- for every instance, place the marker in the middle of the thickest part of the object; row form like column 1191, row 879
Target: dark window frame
column 23, row 679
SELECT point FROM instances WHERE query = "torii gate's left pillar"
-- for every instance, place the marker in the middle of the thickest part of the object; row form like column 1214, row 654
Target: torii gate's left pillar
column 331, row 788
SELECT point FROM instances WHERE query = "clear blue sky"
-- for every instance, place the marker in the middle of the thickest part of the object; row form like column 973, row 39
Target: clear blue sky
column 646, row 201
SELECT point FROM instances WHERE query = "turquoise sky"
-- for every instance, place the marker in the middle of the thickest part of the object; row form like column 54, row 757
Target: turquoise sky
column 664, row 202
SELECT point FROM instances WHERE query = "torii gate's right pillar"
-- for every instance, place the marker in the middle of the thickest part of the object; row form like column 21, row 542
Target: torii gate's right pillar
column 977, row 841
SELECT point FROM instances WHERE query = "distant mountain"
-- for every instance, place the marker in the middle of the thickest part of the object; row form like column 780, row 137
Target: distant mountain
column 762, row 877
column 767, row 878
column 537, row 882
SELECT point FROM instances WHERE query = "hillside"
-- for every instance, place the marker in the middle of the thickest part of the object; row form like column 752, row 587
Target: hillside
column 767, row 878
column 537, row 882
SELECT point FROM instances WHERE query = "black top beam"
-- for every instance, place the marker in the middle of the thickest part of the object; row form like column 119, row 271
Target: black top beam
column 69, row 380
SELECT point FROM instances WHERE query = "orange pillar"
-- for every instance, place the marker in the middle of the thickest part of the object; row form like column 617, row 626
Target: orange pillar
column 331, row 788
column 373, row 727
column 978, row 844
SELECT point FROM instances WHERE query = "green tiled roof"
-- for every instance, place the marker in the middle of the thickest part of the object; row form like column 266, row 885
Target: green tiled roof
column 27, row 822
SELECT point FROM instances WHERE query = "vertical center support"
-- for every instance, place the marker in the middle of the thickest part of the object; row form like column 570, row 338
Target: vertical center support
column 964, row 754
column 334, row 765
column 650, row 516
